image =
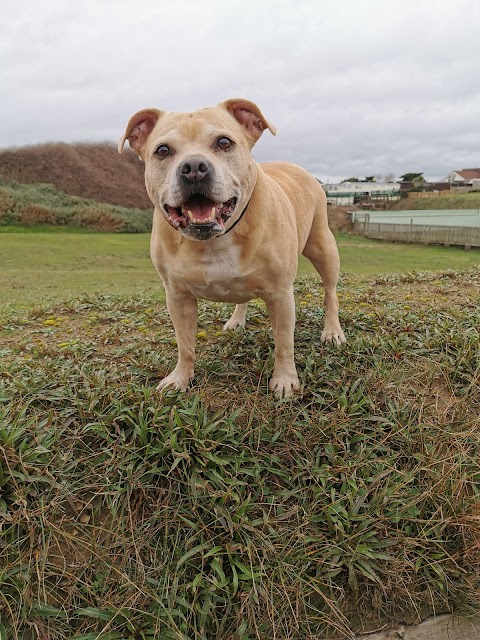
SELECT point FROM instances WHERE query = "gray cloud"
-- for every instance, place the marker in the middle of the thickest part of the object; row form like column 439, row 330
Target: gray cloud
column 354, row 88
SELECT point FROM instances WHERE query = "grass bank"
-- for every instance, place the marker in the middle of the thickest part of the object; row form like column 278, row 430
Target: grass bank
column 37, row 266
column 29, row 205
column 222, row 513
column 452, row 201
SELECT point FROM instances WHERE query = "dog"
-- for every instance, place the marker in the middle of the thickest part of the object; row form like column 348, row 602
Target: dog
column 230, row 230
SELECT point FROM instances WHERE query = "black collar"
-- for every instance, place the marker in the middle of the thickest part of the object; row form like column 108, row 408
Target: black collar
column 236, row 221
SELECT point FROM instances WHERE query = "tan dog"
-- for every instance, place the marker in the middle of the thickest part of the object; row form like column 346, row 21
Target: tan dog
column 229, row 230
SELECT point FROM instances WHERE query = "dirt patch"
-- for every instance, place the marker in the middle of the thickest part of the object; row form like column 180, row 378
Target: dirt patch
column 339, row 219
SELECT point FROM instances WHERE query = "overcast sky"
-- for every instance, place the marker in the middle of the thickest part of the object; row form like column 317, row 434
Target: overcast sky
column 354, row 87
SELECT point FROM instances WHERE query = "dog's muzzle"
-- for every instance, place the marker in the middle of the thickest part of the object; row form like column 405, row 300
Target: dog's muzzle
column 200, row 218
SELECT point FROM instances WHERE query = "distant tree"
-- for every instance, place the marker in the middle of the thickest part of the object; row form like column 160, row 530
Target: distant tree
column 416, row 178
column 351, row 180
column 369, row 179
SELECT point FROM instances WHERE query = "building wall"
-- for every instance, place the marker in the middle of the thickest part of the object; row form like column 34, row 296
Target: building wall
column 453, row 177
column 345, row 193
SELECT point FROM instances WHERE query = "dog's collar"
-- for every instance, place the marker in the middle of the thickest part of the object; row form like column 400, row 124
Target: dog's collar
column 236, row 221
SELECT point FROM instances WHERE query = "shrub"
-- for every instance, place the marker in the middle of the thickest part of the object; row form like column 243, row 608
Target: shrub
column 6, row 201
column 32, row 214
column 97, row 218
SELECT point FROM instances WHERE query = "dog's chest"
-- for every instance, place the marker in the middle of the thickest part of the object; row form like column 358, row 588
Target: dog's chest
column 216, row 273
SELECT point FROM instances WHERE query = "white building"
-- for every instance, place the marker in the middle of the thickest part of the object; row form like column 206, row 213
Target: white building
column 347, row 193
column 465, row 177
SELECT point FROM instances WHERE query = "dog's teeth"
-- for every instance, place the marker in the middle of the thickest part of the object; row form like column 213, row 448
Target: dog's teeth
column 190, row 215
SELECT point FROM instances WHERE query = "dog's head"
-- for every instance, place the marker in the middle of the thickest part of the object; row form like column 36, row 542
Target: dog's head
column 199, row 171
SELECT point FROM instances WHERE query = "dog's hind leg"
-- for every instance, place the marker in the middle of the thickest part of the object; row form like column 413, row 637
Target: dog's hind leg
column 321, row 250
column 238, row 317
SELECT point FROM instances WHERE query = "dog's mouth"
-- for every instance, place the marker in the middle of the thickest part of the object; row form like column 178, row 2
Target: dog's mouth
column 200, row 216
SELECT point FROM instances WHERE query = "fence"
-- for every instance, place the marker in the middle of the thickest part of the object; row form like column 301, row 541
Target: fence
column 467, row 237
column 452, row 191
column 429, row 194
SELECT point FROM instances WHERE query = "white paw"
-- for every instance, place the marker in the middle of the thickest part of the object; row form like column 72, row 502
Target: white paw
column 233, row 323
column 176, row 381
column 333, row 335
column 284, row 384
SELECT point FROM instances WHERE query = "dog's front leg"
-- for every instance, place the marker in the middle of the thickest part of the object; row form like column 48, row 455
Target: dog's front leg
column 281, row 309
column 238, row 318
column 183, row 312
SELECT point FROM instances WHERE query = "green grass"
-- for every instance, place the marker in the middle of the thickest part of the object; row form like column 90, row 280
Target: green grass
column 37, row 266
column 41, row 266
column 42, row 228
column 222, row 513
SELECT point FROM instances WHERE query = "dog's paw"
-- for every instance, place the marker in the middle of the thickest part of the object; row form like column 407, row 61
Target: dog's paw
column 334, row 335
column 237, row 319
column 176, row 381
column 284, row 385
column 233, row 323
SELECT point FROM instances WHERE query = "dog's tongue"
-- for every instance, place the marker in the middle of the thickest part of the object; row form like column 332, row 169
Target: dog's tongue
column 200, row 206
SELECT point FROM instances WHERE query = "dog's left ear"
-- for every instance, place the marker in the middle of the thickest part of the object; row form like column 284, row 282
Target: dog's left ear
column 249, row 116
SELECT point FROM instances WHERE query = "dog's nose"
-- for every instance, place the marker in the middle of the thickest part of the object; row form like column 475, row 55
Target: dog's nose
column 195, row 169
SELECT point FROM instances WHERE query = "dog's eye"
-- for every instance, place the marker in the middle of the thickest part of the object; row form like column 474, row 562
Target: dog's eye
column 162, row 151
column 224, row 143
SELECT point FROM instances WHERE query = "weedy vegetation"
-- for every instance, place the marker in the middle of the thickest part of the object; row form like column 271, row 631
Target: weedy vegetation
column 42, row 204
column 221, row 512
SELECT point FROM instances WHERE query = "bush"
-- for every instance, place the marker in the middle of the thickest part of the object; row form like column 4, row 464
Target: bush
column 97, row 218
column 32, row 214
column 6, row 201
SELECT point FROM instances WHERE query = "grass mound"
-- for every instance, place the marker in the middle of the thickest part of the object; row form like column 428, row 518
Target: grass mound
column 454, row 201
column 42, row 204
column 222, row 513
column 94, row 171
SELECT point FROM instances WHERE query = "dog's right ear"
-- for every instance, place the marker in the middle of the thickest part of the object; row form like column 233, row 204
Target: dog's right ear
column 138, row 129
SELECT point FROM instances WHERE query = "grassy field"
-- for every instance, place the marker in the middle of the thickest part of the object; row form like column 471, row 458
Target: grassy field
column 52, row 264
column 222, row 513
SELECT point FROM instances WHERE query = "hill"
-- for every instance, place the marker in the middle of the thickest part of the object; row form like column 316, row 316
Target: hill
column 93, row 171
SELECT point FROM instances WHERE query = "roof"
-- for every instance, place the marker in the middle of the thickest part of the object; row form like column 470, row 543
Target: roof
column 469, row 174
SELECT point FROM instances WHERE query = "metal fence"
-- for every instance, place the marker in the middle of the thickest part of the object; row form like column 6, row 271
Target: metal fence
column 422, row 234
